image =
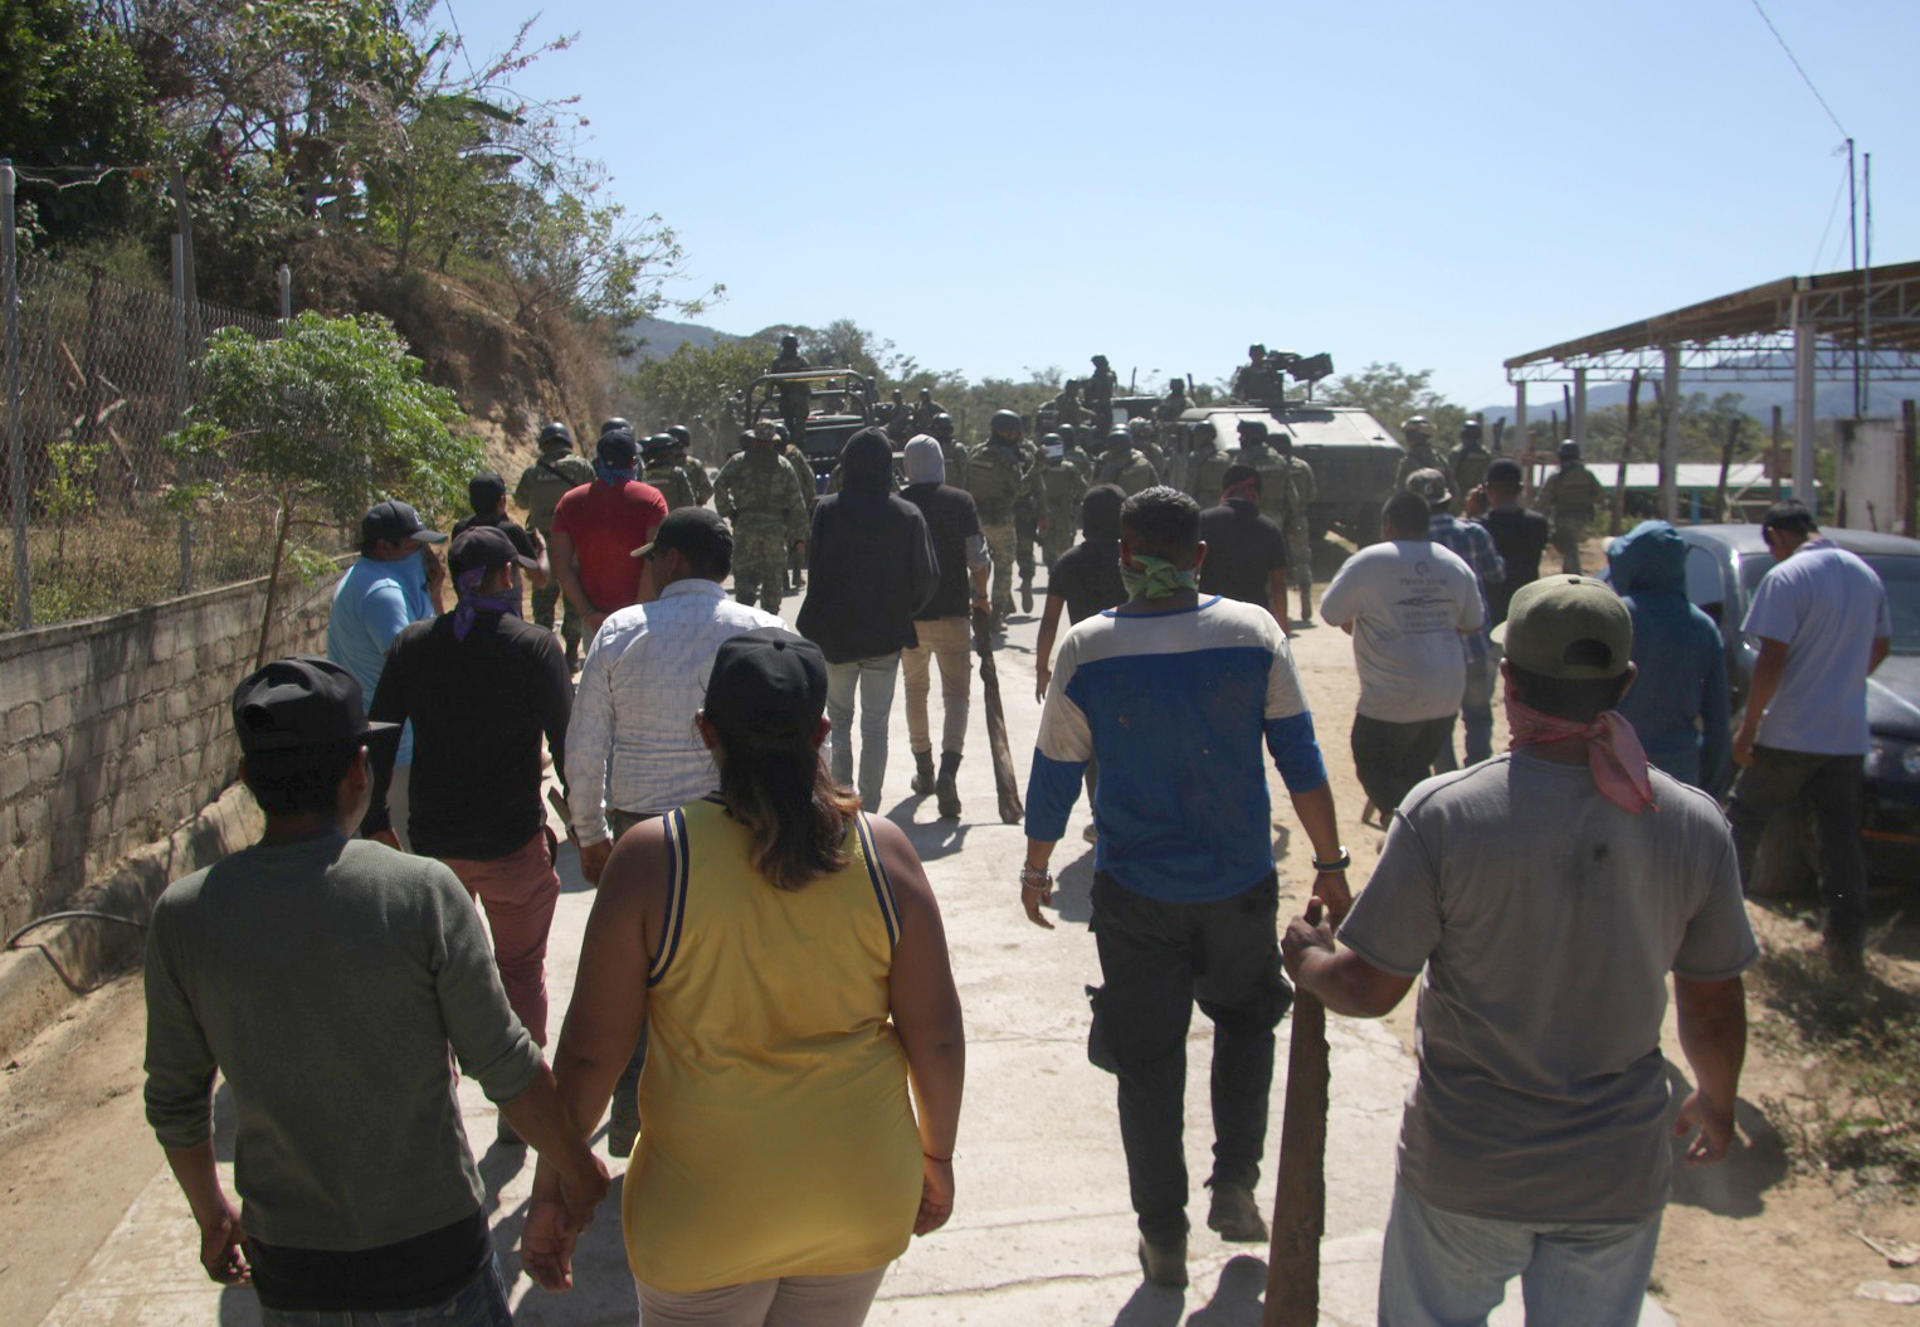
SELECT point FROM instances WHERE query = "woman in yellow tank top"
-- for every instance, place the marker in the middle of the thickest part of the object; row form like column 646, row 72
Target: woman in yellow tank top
column 786, row 956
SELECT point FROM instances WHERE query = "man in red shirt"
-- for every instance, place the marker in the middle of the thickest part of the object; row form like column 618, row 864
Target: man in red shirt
column 597, row 527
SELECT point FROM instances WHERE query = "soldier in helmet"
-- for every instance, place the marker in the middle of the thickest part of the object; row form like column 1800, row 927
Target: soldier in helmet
column 1066, row 408
column 896, row 417
column 1098, row 391
column 1176, row 403
column 1568, row 499
column 1417, row 433
column 1297, row 524
column 925, row 411
column 757, row 491
column 1206, row 463
column 802, row 475
column 997, row 478
column 665, row 473
column 1079, row 450
column 796, row 398
column 697, row 477
column 1143, row 442
column 1255, row 381
column 616, row 422
column 1470, row 460
column 1058, row 484
column 540, row 489
column 951, row 451
column 1123, row 465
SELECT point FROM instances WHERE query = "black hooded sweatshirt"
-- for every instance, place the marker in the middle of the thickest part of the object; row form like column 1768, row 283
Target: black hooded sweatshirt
column 870, row 562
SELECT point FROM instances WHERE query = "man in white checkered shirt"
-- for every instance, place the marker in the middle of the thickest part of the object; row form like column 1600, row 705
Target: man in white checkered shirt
column 632, row 752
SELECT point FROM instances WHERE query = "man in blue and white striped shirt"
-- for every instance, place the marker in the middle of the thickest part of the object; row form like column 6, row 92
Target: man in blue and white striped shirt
column 1474, row 543
column 1175, row 693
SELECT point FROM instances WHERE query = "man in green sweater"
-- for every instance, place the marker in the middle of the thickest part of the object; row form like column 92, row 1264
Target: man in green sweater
column 325, row 977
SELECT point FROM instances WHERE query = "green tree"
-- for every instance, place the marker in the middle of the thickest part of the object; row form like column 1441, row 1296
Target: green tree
column 701, row 388
column 1392, row 395
column 324, row 420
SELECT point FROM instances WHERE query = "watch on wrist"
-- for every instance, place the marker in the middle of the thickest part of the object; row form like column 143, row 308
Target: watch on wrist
column 1332, row 864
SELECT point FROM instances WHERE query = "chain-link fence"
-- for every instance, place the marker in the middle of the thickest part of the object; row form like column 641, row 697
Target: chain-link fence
column 106, row 371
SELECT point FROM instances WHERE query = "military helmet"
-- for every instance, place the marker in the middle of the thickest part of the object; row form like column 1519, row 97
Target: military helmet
column 1006, row 421
column 1471, row 425
column 609, row 425
column 941, row 426
column 1569, row 450
column 681, row 434
column 556, row 431
column 656, row 444
column 1140, row 426
column 1068, row 431
column 789, row 342
column 1253, row 428
column 1118, row 434
column 1419, row 426
column 1052, row 440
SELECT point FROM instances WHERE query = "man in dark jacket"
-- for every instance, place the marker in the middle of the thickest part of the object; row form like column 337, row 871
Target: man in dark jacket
column 873, row 570
column 960, row 551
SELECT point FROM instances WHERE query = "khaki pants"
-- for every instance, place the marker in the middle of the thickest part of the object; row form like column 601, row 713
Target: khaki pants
column 791, row 1301
column 518, row 893
column 948, row 640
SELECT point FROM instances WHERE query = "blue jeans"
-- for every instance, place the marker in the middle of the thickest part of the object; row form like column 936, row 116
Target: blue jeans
column 1476, row 713
column 1441, row 1269
column 874, row 678
column 481, row 1302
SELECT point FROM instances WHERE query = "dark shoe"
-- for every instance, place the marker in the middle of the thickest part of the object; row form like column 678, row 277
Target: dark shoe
column 1165, row 1264
column 621, row 1137
column 1848, row 963
column 943, row 786
column 922, row 772
column 1236, row 1216
column 1026, row 596
column 507, row 1135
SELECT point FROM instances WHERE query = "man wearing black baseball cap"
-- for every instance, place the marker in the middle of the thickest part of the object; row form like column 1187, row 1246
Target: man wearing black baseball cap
column 1547, row 894
column 487, row 493
column 326, row 978
column 632, row 752
column 481, row 687
column 398, row 580
column 597, row 526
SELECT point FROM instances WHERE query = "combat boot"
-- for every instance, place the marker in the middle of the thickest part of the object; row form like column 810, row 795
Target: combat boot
column 943, row 787
column 923, row 772
column 1026, row 595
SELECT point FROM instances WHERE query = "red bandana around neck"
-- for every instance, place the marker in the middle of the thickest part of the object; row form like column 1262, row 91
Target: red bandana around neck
column 1614, row 754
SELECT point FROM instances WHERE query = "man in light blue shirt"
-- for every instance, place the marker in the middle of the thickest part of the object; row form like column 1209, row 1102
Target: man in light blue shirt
column 396, row 582
column 1822, row 621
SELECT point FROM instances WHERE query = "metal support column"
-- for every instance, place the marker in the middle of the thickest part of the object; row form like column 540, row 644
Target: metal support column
column 1803, row 351
column 1669, row 432
column 1524, row 444
column 1579, row 423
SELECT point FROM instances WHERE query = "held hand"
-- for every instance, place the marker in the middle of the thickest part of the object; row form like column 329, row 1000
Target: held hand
column 593, row 859
column 1715, row 1126
column 582, row 1190
column 1331, row 888
column 936, row 1195
column 220, row 1252
column 546, row 1245
column 1305, row 935
column 1743, row 748
column 1042, row 679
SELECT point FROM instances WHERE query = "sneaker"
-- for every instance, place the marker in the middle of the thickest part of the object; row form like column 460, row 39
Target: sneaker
column 1164, row 1264
column 1236, row 1216
column 621, row 1138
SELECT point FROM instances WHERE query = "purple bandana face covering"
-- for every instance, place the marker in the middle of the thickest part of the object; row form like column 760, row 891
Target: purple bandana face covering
column 473, row 602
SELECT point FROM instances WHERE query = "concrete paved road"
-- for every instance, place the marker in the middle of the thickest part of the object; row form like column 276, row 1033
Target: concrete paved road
column 1041, row 1231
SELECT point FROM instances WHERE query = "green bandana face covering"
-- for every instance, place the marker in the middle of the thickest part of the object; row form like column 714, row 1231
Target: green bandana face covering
column 1154, row 578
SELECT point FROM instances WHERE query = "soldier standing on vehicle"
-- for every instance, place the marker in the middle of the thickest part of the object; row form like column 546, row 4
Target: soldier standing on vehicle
column 1297, row 525
column 756, row 490
column 951, row 451
column 925, row 411
column 540, row 489
column 1206, row 463
column 1066, row 407
column 1098, row 391
column 1470, row 460
column 698, row 480
column 796, row 398
column 997, row 477
column 896, row 417
column 1568, row 499
column 664, row 473
column 1058, row 485
column 1123, row 466
column 1417, row 433
column 1176, row 403
column 1256, row 381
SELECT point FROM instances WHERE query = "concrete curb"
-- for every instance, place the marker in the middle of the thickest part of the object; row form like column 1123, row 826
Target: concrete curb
column 58, row 963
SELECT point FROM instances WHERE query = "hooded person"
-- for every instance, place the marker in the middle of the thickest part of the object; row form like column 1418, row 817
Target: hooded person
column 872, row 571
column 1680, row 705
column 941, row 628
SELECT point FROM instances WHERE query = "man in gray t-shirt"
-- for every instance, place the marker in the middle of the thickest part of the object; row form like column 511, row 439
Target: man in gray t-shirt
column 1546, row 894
column 326, row 978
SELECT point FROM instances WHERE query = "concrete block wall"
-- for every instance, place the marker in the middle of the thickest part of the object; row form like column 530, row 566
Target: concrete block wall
column 117, row 730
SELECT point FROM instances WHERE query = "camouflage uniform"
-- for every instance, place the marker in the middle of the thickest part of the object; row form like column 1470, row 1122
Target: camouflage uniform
column 796, row 398
column 698, row 479
column 757, row 492
column 1058, row 487
column 1470, row 469
column 810, row 488
column 1568, row 499
column 540, row 489
column 667, row 476
column 1128, row 468
column 1280, row 498
column 1298, row 525
column 957, row 462
column 1425, row 456
column 1206, row 475
column 997, row 477
column 1026, row 523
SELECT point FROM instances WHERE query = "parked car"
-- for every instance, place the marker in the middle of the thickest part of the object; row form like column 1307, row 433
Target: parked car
column 1724, row 566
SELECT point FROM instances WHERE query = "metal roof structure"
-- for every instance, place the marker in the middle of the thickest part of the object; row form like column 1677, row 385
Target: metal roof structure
column 1861, row 324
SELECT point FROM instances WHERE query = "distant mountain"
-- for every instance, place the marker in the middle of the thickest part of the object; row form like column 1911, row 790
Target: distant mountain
column 657, row 338
column 1832, row 400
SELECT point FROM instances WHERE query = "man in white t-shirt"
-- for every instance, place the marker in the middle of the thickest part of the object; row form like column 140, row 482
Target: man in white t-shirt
column 1406, row 603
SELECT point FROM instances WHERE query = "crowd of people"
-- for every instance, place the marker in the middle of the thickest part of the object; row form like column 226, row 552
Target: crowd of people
column 765, row 1011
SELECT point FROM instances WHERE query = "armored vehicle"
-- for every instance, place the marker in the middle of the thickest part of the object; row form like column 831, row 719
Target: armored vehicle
column 840, row 404
column 1354, row 458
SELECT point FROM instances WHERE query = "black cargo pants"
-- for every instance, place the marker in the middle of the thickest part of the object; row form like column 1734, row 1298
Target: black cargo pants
column 1157, row 960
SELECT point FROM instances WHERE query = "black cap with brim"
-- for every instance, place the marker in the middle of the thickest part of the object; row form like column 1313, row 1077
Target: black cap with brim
column 485, row 548
column 301, row 703
column 396, row 522
column 767, row 686
column 697, row 530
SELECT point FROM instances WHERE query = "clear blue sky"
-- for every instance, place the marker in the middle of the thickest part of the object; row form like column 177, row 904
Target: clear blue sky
column 996, row 185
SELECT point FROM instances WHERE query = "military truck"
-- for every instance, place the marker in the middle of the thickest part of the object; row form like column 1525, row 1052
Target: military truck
column 841, row 404
column 1354, row 458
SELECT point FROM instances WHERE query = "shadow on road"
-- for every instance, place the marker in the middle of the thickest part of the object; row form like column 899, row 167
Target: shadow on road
column 1073, row 889
column 1755, row 1163
column 1235, row 1302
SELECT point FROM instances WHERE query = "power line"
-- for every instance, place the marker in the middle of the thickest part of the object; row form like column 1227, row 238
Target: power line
column 1800, row 69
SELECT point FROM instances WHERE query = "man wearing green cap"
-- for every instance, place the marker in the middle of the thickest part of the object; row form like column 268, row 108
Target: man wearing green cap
column 1547, row 893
